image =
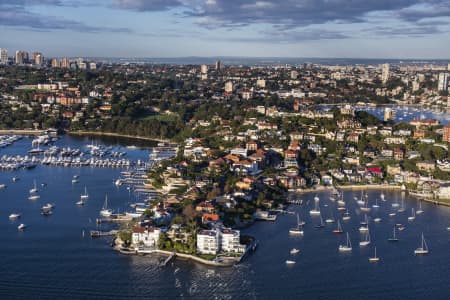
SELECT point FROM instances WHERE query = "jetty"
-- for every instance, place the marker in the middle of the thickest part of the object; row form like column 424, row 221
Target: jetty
column 168, row 259
column 97, row 233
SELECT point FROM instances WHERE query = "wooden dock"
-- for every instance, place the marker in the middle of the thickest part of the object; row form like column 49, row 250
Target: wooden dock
column 97, row 233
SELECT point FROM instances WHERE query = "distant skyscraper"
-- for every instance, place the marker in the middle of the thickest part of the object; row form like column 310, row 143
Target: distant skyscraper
column 3, row 55
column 65, row 63
column 56, row 63
column 38, row 58
column 443, row 82
column 21, row 57
column 218, row 65
column 385, row 73
column 389, row 114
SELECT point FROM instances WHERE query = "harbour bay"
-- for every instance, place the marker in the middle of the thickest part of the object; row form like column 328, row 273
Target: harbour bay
column 51, row 257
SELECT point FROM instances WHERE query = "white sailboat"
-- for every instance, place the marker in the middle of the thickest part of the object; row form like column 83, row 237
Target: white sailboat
column 85, row 195
column 413, row 215
column 394, row 237
column 341, row 201
column 347, row 247
column 34, row 197
column 420, row 210
column 346, row 216
column 316, row 210
column 338, row 230
column 105, row 211
column 21, row 226
column 382, row 196
column 402, row 207
column 80, row 203
column 34, row 189
column 366, row 207
column 423, row 249
column 376, row 203
column 295, row 230
column 375, row 258
column 361, row 201
column 365, row 225
column 321, row 224
column 366, row 240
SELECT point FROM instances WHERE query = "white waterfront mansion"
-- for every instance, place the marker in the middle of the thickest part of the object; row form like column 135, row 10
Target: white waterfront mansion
column 219, row 240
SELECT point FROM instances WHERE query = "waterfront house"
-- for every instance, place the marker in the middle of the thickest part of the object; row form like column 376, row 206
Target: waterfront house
column 208, row 242
column 428, row 166
column 145, row 236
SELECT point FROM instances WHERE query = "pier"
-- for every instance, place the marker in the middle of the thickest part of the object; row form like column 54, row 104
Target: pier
column 168, row 259
column 96, row 233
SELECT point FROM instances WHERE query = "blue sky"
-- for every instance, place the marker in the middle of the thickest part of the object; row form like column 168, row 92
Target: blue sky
column 263, row 28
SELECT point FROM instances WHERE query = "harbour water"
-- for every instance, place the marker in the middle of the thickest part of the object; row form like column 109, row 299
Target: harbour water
column 51, row 258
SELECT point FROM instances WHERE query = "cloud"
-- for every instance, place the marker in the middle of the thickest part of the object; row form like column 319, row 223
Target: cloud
column 147, row 5
column 16, row 14
column 417, row 31
column 288, row 15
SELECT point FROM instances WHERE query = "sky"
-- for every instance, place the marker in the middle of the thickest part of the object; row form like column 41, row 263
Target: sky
column 253, row 28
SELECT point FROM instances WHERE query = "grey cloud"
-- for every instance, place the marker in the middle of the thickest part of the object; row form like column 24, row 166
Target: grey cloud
column 21, row 18
column 405, row 31
column 291, row 14
column 149, row 5
column 293, row 36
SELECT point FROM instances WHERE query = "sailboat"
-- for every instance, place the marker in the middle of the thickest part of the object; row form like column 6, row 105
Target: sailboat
column 321, row 224
column 80, row 203
column 34, row 189
column 402, row 207
column 365, row 225
column 382, row 197
column 347, row 247
column 295, row 230
column 413, row 215
column 361, row 201
column 374, row 258
column 300, row 221
column 105, row 211
column 366, row 241
column 341, row 201
column 329, row 220
column 423, row 249
column 85, row 195
column 394, row 237
column 346, row 216
column 338, row 230
column 376, row 203
column 316, row 210
column 395, row 204
column 420, row 210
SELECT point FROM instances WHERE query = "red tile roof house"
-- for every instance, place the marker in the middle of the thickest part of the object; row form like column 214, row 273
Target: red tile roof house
column 376, row 171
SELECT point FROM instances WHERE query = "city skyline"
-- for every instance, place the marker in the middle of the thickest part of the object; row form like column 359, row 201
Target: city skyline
column 181, row 28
